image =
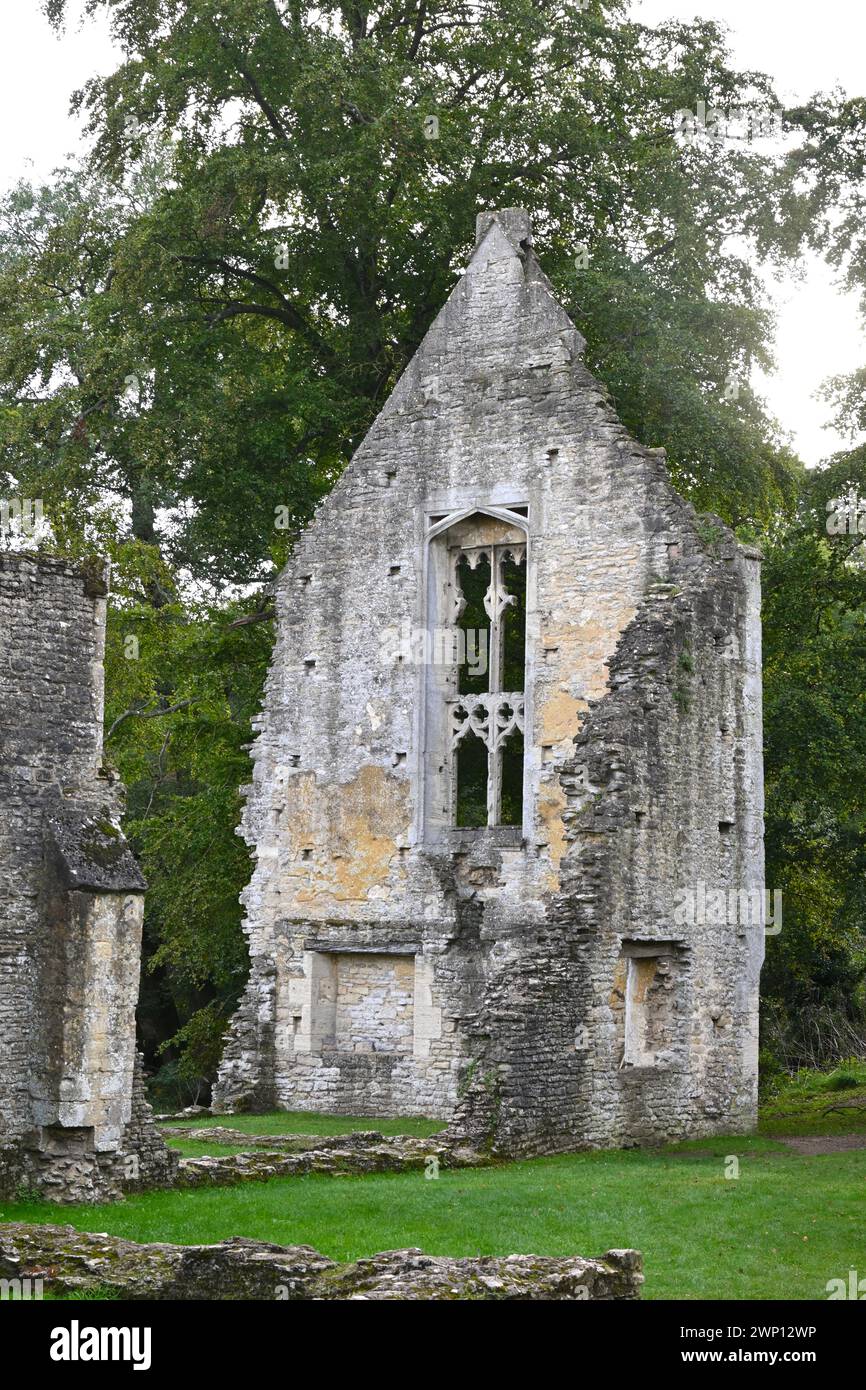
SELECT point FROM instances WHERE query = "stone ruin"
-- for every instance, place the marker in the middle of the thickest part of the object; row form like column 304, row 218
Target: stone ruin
column 74, row 1121
column 76, row 1262
column 512, row 728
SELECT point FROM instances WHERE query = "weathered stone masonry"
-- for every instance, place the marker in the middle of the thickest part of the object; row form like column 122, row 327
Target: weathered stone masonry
column 556, row 1000
column 70, row 1261
column 74, row 1123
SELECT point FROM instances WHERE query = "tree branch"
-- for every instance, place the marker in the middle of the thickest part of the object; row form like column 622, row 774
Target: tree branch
column 657, row 251
column 286, row 313
column 146, row 714
column 263, row 616
column 419, row 31
column 259, row 97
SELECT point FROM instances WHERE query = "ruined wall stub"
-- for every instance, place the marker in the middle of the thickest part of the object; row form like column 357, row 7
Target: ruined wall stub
column 556, row 999
column 74, row 1123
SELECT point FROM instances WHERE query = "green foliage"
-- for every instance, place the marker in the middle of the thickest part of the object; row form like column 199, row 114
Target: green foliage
column 770, row 1071
column 183, row 770
column 816, row 1102
column 709, row 531
column 267, row 234
column 815, row 745
column 846, row 1079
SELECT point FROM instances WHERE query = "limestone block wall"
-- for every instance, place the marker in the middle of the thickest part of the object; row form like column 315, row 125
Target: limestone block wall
column 87, row 994
column 516, row 932
column 374, row 1003
column 70, row 896
column 50, row 640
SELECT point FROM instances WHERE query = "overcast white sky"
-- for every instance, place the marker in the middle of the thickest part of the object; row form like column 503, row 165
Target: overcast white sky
column 805, row 47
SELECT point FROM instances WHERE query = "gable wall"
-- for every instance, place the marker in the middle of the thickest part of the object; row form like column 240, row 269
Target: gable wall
column 496, row 409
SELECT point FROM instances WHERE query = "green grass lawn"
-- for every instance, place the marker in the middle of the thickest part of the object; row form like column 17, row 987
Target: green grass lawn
column 193, row 1148
column 306, row 1122
column 781, row 1229
column 792, row 1105
column 291, row 1122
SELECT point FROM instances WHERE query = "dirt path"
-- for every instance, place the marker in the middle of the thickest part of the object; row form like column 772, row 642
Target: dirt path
column 820, row 1143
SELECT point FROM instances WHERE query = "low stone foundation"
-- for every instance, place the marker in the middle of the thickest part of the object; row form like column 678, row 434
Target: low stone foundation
column 71, row 1261
column 363, row 1152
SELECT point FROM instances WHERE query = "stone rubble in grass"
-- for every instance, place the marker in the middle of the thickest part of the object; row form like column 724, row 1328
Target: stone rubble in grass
column 72, row 1261
column 340, row 1154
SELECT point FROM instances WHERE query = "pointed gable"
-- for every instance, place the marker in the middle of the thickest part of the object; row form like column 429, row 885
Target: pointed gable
column 505, row 661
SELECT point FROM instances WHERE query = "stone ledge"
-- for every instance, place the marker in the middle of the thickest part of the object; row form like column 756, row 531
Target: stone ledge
column 71, row 1261
column 94, row 854
column 365, row 1151
column 300, row 1143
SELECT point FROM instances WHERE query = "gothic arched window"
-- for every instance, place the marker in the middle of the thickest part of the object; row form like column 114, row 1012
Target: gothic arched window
column 476, row 690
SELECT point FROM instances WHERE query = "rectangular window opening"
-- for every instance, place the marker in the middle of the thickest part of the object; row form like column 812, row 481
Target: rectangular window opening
column 470, row 764
column 646, row 995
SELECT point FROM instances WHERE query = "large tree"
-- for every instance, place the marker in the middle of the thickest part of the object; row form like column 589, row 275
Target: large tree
column 311, row 177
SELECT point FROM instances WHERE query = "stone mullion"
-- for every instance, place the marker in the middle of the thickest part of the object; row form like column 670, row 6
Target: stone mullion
column 494, row 775
column 494, row 685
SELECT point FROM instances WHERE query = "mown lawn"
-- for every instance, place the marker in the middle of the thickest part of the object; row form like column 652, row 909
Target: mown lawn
column 781, row 1229
column 305, row 1122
